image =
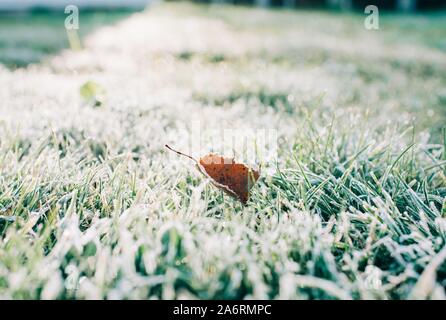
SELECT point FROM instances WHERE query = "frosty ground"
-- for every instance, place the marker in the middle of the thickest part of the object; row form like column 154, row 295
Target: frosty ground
column 92, row 206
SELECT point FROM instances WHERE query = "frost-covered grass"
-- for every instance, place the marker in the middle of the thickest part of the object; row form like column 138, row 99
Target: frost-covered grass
column 93, row 206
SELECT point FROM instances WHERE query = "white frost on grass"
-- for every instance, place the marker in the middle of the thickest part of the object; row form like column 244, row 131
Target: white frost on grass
column 342, row 214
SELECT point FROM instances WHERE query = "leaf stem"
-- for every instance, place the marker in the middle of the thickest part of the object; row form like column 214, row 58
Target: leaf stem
column 180, row 153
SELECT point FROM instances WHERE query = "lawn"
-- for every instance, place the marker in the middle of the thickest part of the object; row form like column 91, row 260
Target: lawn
column 29, row 37
column 351, row 206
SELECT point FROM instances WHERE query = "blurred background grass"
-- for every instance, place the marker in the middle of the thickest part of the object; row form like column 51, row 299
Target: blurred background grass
column 29, row 37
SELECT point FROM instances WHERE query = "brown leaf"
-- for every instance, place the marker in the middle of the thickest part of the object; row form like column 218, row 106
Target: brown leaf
column 236, row 179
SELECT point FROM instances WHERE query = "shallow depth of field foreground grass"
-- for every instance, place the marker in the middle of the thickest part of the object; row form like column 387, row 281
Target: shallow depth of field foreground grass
column 93, row 206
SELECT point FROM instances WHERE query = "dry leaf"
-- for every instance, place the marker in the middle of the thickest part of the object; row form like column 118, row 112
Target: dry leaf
column 236, row 179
